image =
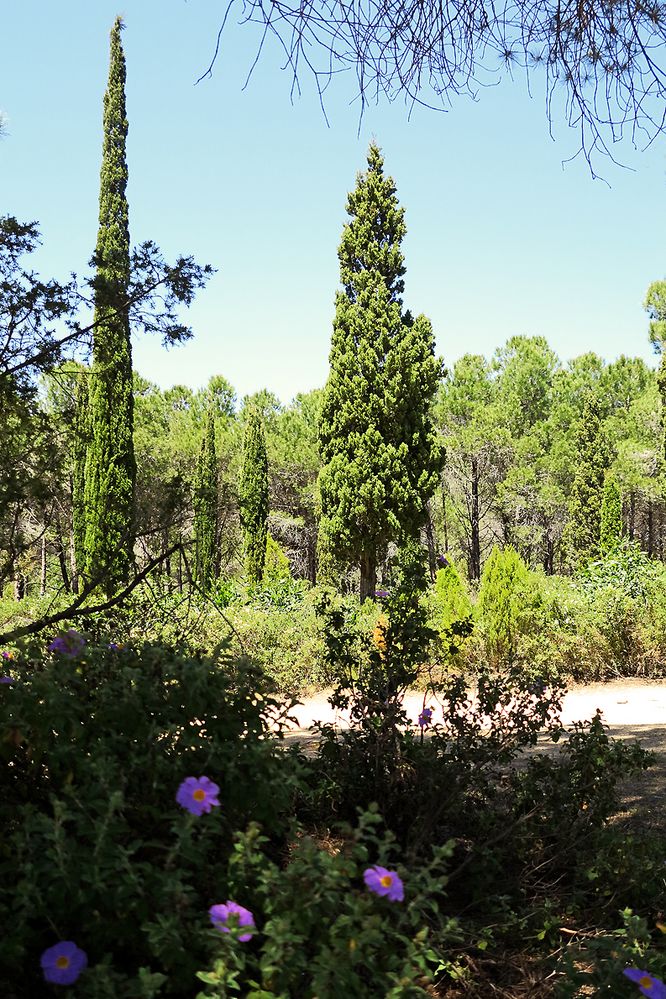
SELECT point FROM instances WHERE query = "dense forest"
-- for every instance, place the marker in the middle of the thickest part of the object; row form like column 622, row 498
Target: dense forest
column 177, row 566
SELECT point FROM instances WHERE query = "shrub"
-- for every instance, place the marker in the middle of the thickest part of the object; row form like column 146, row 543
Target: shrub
column 507, row 603
column 449, row 600
column 321, row 931
column 95, row 847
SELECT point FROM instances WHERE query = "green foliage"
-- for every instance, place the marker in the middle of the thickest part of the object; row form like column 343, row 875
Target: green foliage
column 253, row 497
column 450, row 600
column 345, row 940
column 276, row 567
column 380, row 454
column 584, row 527
column 80, row 444
column 94, row 847
column 110, row 464
column 205, row 507
column 611, row 516
column 596, row 965
column 506, row 601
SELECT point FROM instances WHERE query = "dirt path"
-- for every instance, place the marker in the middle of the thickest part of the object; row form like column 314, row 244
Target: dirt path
column 634, row 710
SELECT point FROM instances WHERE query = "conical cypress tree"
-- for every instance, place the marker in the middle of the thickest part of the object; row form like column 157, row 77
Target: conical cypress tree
column 611, row 516
column 110, row 465
column 253, row 497
column 80, row 448
column 205, row 506
column 380, row 455
column 581, row 536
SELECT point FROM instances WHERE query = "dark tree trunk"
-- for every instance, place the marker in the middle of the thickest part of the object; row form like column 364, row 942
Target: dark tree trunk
column 475, row 540
column 368, row 565
column 42, row 567
column 650, row 529
column 632, row 514
column 73, row 571
column 445, row 519
column 430, row 538
column 62, row 562
column 549, row 557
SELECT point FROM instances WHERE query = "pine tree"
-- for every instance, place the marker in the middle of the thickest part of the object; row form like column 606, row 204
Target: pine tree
column 205, row 506
column 380, row 455
column 611, row 516
column 253, row 497
column 110, row 464
column 581, row 535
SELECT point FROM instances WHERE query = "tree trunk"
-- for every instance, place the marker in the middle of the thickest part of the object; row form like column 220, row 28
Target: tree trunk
column 62, row 562
column 368, row 566
column 475, row 540
column 445, row 519
column 650, row 529
column 42, row 567
column 549, row 557
column 430, row 538
column 72, row 562
column 632, row 514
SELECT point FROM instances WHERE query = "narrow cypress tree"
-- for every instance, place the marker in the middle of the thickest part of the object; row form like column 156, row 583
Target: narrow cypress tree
column 581, row 536
column 380, row 454
column 611, row 516
column 110, row 464
column 79, row 452
column 253, row 497
column 205, row 506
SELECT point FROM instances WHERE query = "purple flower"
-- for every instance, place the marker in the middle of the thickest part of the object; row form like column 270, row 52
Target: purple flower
column 383, row 882
column 425, row 718
column 647, row 983
column 232, row 916
column 381, row 594
column 70, row 644
column 63, row 963
column 6, row 655
column 114, row 646
column 442, row 561
column 197, row 795
column 6, row 679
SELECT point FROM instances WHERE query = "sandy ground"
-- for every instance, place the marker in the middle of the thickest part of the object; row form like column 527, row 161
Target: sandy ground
column 624, row 703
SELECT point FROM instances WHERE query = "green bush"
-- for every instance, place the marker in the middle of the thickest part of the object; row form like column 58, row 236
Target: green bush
column 321, row 932
column 507, row 605
column 94, row 846
column 449, row 599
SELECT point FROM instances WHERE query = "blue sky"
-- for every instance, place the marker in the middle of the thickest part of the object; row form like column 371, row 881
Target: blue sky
column 502, row 239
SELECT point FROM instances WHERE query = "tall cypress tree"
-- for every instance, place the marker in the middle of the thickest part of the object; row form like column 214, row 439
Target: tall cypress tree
column 79, row 453
column 380, row 454
column 581, row 536
column 205, row 506
column 253, row 497
column 611, row 516
column 110, row 464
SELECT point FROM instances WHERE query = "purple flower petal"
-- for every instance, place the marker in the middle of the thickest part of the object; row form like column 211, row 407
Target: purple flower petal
column 229, row 915
column 198, row 795
column 63, row 963
column 383, row 882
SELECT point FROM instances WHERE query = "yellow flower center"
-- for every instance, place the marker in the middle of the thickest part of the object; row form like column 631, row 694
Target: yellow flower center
column 646, row 982
column 199, row 794
column 386, row 881
column 62, row 962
